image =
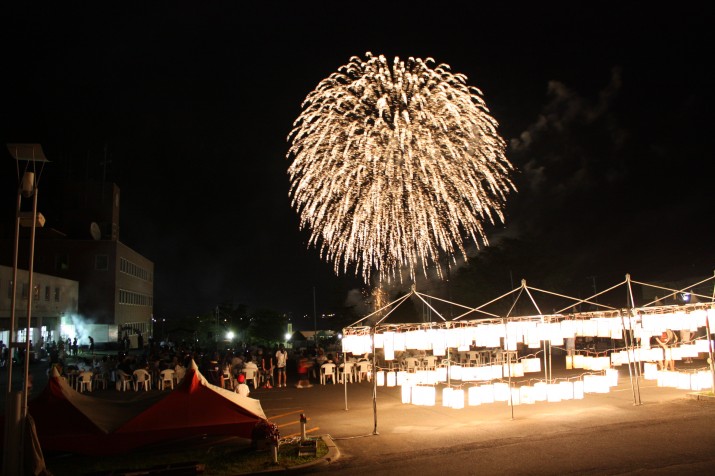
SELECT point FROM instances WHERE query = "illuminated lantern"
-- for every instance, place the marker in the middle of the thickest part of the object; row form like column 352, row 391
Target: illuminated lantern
column 401, row 377
column 446, row 393
column 578, row 361
column 566, row 389
column 569, row 362
column 515, row 397
column 473, row 397
column 539, row 392
column 391, row 379
column 486, row 393
column 379, row 340
column 526, row 395
column 501, row 391
column 455, row 372
column 422, row 395
column 496, row 372
column 703, row 345
column 578, row 390
column 553, row 392
column 388, row 342
column 532, row 364
column 612, row 377
column 650, row 371
column 439, row 343
column 469, row 374
column 441, row 374
column 380, row 378
column 457, row 399
column 406, row 394
column 399, row 342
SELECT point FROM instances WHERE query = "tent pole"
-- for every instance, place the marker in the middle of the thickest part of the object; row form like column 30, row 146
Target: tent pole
column 374, row 383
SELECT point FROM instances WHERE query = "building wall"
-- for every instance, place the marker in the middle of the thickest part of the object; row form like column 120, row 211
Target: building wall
column 53, row 298
column 134, row 293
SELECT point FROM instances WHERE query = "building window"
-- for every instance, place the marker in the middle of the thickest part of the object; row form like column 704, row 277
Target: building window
column 36, row 292
column 62, row 262
column 101, row 262
column 24, row 291
column 57, row 294
column 47, row 293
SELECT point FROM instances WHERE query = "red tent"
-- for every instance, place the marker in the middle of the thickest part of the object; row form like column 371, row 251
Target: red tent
column 67, row 420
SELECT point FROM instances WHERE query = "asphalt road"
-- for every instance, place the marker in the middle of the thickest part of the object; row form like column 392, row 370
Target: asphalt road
column 666, row 433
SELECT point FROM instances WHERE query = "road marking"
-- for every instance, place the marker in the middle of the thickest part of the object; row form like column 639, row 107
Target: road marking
column 312, row 430
column 285, row 414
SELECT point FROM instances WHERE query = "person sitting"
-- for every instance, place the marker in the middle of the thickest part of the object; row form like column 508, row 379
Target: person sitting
column 241, row 387
column 320, row 359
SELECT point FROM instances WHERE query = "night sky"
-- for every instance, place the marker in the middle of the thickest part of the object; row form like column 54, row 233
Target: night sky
column 607, row 111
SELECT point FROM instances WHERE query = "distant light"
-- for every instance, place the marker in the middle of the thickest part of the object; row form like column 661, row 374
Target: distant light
column 340, row 336
column 287, row 336
column 685, row 297
column 229, row 335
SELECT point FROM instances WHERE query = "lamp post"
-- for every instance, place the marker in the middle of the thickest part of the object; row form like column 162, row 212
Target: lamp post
column 33, row 159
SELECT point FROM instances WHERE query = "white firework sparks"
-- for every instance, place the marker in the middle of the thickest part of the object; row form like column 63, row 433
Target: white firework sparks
column 395, row 166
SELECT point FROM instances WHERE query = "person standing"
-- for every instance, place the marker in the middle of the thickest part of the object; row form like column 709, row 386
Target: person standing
column 667, row 341
column 267, row 369
column 281, row 360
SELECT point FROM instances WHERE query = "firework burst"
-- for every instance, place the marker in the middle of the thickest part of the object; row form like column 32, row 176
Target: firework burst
column 395, row 166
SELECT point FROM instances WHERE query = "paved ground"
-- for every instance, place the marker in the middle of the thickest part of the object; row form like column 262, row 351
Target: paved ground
column 667, row 433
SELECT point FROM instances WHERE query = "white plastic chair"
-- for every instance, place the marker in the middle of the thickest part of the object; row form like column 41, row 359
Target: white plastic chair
column 430, row 362
column 327, row 371
column 124, row 381
column 251, row 374
column 142, row 378
column 412, row 364
column 473, row 358
column 84, row 381
column 363, row 371
column 227, row 378
column 100, row 380
column 345, row 371
column 166, row 379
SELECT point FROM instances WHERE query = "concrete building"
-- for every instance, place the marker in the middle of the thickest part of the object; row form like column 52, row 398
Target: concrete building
column 53, row 299
column 116, row 283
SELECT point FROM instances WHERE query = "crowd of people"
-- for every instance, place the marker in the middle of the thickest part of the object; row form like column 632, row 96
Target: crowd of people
column 272, row 365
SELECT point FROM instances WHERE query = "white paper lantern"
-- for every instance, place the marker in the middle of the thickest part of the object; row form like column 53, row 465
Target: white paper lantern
column 539, row 392
column 423, row 395
column 553, row 392
column 446, row 393
column 526, row 395
column 406, row 394
column 566, row 389
column 473, row 396
column 501, row 391
column 457, row 399
column 486, row 393
column 578, row 390
column 388, row 342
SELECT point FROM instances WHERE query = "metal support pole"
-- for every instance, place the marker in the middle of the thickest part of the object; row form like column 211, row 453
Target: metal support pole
column 11, row 337
column 30, row 297
column 374, row 383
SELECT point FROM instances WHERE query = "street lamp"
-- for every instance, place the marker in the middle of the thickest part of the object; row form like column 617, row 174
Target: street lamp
column 33, row 159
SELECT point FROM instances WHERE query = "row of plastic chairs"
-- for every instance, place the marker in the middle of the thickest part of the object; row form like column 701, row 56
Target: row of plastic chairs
column 347, row 371
column 141, row 379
